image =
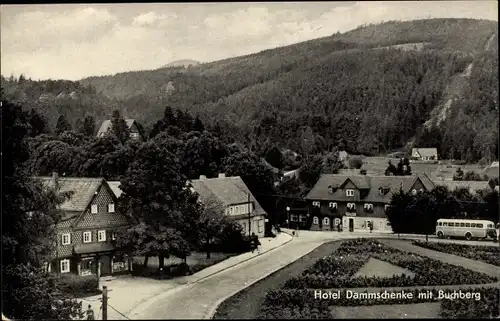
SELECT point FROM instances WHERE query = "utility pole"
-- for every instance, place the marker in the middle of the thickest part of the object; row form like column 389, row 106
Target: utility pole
column 249, row 216
column 104, row 302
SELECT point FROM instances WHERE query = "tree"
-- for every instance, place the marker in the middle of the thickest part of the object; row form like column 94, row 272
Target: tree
column 274, row 157
column 29, row 216
column 355, row 163
column 119, row 127
column 38, row 123
column 397, row 213
column 88, row 126
column 156, row 199
column 201, row 155
column 311, row 170
column 459, row 175
column 62, row 125
column 332, row 163
column 198, row 125
column 211, row 223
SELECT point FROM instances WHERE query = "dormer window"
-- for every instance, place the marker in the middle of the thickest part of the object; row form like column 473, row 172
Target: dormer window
column 386, row 207
column 421, row 190
column 316, row 204
column 368, row 207
column 330, row 189
column 351, row 206
column 349, row 192
column 332, row 205
column 414, row 191
column 381, row 191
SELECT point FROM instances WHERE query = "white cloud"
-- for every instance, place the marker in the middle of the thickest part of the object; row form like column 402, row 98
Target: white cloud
column 153, row 19
column 82, row 41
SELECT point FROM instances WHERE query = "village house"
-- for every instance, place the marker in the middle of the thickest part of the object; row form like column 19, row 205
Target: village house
column 86, row 234
column 424, row 154
column 136, row 131
column 472, row 186
column 235, row 199
column 492, row 171
column 358, row 201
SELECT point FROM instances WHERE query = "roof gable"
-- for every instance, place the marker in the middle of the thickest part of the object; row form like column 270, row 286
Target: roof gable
column 423, row 152
column 106, row 126
column 81, row 191
column 115, row 188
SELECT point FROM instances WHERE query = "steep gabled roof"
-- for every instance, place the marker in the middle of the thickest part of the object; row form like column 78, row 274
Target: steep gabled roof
column 106, row 125
column 425, row 152
column 393, row 183
column 226, row 190
column 81, row 190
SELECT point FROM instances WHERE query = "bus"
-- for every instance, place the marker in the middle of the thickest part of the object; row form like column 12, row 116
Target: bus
column 469, row 229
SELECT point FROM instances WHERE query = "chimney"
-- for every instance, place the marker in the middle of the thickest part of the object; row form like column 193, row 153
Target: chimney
column 202, row 177
column 222, row 175
column 55, row 178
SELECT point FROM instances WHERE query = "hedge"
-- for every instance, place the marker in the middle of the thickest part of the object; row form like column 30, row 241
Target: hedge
column 79, row 286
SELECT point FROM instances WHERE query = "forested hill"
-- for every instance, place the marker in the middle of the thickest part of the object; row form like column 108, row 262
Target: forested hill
column 369, row 90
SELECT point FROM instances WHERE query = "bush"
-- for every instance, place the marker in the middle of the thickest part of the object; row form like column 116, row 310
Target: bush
column 487, row 254
column 79, row 285
column 232, row 240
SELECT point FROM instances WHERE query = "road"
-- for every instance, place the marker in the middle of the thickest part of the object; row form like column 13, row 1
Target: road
column 199, row 300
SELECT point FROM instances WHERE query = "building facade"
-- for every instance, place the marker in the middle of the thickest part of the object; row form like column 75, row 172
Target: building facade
column 86, row 236
column 136, row 131
column 356, row 202
column 235, row 199
column 424, row 154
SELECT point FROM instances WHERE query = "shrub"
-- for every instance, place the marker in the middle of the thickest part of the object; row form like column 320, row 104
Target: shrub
column 232, row 240
column 79, row 285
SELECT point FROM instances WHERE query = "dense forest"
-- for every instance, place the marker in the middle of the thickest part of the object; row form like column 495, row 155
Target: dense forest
column 336, row 92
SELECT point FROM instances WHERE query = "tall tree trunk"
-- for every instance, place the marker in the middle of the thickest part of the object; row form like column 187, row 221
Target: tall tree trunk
column 161, row 261
column 146, row 259
column 208, row 247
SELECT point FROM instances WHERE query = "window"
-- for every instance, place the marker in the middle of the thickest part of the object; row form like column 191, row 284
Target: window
column 451, row 224
column 332, row 205
column 302, row 218
column 489, row 226
column 293, row 217
column 326, row 221
column 93, row 209
column 421, row 190
column 337, row 221
column 113, row 236
column 315, row 220
column 445, row 224
column 467, row 224
column 111, row 208
column 231, row 210
column 479, row 225
column 101, row 236
column 66, row 239
column 414, row 191
column 237, row 210
column 87, row 237
column 462, row 224
column 134, row 135
column 472, row 224
column 316, row 204
column 386, row 207
column 440, row 223
column 349, row 192
column 368, row 207
column 64, row 266
column 381, row 225
column 351, row 206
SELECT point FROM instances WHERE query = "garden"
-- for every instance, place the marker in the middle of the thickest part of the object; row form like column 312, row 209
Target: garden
column 487, row 254
column 368, row 279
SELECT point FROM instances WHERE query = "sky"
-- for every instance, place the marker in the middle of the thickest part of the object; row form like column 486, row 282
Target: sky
column 73, row 41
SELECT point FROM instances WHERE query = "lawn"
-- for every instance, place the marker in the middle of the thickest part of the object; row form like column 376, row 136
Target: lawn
column 487, row 254
column 290, row 292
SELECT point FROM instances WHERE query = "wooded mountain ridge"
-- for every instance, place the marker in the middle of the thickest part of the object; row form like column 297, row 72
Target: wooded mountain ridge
column 336, row 91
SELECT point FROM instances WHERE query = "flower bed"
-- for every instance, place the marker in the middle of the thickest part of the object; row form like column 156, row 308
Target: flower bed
column 336, row 271
column 487, row 254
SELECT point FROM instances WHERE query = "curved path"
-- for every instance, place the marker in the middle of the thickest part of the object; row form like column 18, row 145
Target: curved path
column 200, row 300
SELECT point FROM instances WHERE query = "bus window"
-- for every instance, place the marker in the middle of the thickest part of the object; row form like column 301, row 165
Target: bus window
column 467, row 224
column 462, row 224
column 479, row 225
column 490, row 225
column 438, row 223
column 472, row 224
column 451, row 224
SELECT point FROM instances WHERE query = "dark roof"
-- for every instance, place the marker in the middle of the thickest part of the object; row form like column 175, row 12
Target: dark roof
column 373, row 183
column 106, row 125
column 81, row 190
column 88, row 248
column 226, row 190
